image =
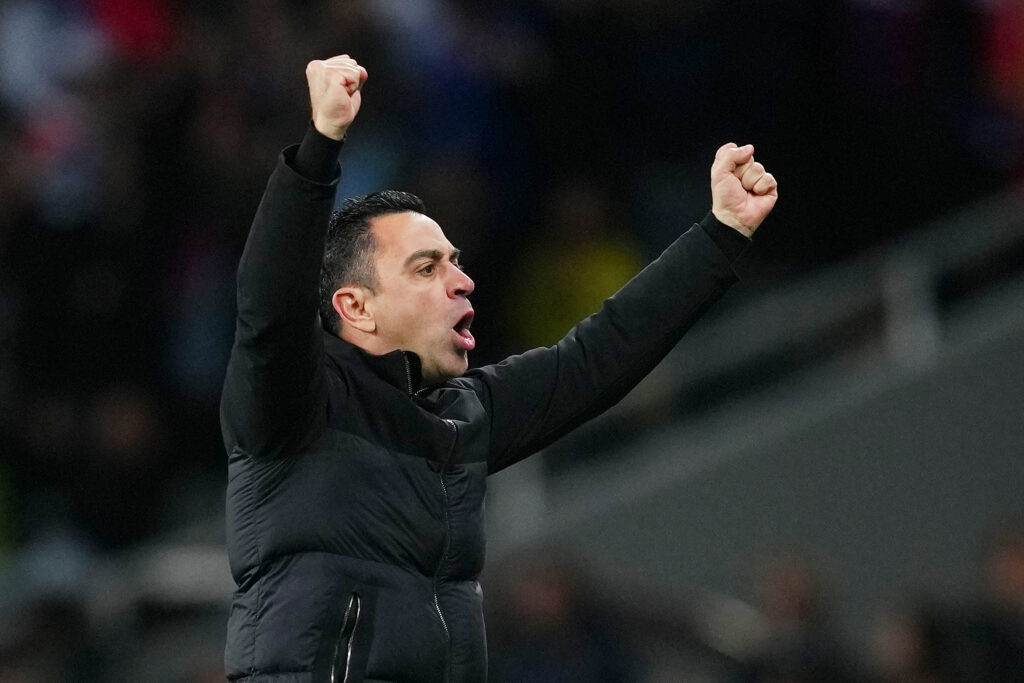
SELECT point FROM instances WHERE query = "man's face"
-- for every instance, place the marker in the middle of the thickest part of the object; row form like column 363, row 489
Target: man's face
column 422, row 302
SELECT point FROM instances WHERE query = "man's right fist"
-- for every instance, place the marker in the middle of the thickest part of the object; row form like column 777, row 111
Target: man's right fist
column 334, row 95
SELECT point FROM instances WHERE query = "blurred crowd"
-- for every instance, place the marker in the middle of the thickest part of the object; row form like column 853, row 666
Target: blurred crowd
column 551, row 619
column 560, row 144
column 556, row 623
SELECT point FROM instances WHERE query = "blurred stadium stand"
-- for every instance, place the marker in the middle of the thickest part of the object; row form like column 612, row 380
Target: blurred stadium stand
column 869, row 414
column 822, row 482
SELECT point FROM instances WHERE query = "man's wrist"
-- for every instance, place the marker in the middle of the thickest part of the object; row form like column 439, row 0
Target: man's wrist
column 331, row 132
column 733, row 222
column 317, row 156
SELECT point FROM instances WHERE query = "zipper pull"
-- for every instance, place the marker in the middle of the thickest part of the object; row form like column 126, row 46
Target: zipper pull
column 455, row 439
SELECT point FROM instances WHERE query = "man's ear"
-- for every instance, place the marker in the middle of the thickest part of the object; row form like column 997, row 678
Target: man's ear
column 350, row 303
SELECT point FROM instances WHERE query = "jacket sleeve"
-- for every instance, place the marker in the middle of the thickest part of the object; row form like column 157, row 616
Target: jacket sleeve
column 274, row 397
column 537, row 397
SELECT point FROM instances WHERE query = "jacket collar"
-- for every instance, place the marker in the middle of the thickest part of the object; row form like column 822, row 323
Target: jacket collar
column 401, row 369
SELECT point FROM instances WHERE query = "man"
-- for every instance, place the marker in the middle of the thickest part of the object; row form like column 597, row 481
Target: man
column 358, row 454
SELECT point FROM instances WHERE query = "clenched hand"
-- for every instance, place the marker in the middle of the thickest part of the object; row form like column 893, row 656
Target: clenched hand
column 334, row 95
column 742, row 192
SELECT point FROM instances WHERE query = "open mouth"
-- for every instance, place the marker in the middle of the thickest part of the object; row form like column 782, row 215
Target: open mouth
column 464, row 339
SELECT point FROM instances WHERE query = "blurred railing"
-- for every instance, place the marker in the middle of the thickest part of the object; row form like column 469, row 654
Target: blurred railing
column 891, row 304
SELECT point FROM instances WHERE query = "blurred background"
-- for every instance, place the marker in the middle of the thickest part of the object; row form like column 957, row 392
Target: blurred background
column 823, row 482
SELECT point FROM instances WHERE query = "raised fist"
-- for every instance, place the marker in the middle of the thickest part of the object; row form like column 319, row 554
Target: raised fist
column 742, row 192
column 334, row 95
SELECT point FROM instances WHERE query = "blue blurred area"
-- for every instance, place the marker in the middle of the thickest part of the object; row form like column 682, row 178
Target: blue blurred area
column 554, row 140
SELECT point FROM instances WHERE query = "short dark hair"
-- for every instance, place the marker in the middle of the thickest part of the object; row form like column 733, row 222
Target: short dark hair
column 350, row 246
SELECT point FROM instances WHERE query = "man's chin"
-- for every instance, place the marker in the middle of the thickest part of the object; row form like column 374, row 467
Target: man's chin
column 460, row 364
column 450, row 369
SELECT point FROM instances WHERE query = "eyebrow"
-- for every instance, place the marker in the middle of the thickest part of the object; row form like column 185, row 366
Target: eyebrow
column 432, row 254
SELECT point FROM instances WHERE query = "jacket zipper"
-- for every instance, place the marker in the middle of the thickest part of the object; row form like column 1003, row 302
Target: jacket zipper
column 444, row 552
column 447, row 529
column 408, row 373
column 351, row 617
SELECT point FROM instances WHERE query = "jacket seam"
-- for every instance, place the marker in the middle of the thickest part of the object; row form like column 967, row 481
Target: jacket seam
column 259, row 562
column 322, row 551
column 276, row 672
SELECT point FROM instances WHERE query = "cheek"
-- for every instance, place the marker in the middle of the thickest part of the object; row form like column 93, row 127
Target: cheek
column 416, row 315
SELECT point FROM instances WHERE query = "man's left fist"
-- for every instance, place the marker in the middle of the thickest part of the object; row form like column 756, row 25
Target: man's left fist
column 742, row 192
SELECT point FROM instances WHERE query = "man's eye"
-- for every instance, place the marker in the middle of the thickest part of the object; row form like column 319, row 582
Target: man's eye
column 427, row 270
column 459, row 266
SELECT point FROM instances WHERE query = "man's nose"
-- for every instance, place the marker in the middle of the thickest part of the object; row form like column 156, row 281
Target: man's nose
column 461, row 284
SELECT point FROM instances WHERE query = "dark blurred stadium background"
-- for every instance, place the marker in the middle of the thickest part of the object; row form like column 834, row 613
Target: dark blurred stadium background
column 822, row 483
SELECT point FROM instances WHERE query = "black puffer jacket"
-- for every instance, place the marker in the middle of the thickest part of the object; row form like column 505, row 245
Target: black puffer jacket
column 355, row 497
